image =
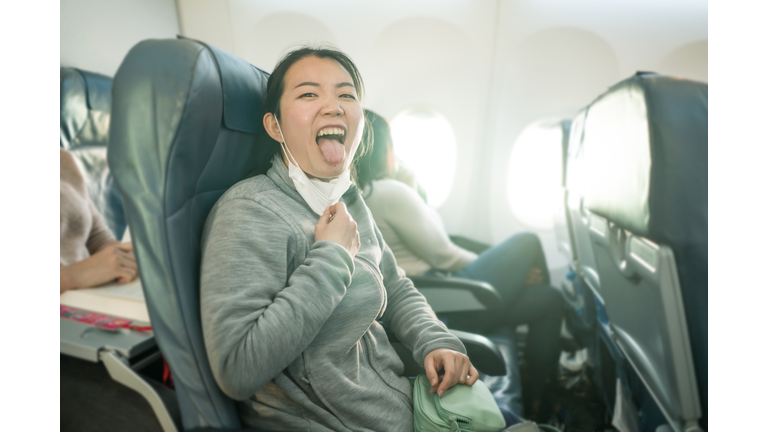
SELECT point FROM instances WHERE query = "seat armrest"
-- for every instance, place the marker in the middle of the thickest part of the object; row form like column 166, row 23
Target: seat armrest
column 469, row 244
column 482, row 352
column 453, row 294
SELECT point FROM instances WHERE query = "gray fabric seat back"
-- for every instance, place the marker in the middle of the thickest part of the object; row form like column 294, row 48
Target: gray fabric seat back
column 85, row 99
column 643, row 148
column 186, row 119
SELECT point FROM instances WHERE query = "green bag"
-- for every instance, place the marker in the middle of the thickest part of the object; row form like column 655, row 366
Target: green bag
column 462, row 408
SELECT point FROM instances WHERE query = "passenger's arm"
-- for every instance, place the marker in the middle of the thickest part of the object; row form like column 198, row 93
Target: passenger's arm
column 100, row 235
column 257, row 318
column 408, row 315
column 421, row 229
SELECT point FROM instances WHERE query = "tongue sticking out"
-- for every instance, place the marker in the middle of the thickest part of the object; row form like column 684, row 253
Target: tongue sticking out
column 333, row 151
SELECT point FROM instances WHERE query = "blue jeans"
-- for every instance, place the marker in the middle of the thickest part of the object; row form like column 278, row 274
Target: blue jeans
column 506, row 266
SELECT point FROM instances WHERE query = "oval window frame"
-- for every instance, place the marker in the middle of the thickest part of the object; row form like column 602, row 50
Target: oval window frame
column 438, row 186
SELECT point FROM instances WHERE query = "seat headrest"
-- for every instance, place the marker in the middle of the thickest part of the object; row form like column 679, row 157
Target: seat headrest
column 242, row 111
column 643, row 144
column 84, row 100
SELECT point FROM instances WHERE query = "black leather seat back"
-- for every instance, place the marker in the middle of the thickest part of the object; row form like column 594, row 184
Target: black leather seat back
column 85, row 99
column 644, row 145
column 186, row 119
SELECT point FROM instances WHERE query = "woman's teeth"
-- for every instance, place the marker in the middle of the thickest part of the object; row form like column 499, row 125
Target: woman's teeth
column 331, row 131
column 330, row 141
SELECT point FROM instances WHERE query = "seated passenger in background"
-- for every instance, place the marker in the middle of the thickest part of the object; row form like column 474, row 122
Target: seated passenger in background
column 516, row 267
column 406, row 175
column 89, row 253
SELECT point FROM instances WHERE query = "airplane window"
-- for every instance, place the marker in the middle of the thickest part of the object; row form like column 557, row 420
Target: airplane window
column 424, row 140
column 533, row 184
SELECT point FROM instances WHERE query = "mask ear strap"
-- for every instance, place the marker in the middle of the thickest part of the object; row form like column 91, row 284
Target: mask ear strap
column 284, row 145
column 285, row 148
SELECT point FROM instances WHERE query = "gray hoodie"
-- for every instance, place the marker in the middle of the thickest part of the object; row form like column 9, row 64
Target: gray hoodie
column 294, row 328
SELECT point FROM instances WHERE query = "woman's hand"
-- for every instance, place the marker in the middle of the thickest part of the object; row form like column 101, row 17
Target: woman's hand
column 114, row 261
column 337, row 225
column 457, row 367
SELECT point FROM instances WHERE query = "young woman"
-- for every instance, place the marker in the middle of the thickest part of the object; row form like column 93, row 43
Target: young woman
column 516, row 267
column 297, row 284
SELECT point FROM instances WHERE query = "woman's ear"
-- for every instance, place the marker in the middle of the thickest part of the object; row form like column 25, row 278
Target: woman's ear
column 270, row 125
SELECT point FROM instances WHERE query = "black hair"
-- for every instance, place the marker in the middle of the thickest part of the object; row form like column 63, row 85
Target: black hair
column 276, row 86
column 373, row 165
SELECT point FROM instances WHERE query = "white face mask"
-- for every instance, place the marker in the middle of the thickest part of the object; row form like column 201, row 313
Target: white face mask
column 318, row 194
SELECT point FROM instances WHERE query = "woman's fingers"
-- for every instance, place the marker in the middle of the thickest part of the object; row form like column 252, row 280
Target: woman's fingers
column 326, row 216
column 343, row 230
column 125, row 246
column 457, row 369
column 126, row 255
column 473, row 375
column 126, row 274
column 450, row 378
column 339, row 208
column 127, row 263
column 429, row 367
column 464, row 375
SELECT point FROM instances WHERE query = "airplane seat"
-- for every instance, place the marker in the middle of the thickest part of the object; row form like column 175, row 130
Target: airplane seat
column 644, row 167
column 580, row 314
column 186, row 126
column 577, row 215
column 561, row 218
column 85, row 99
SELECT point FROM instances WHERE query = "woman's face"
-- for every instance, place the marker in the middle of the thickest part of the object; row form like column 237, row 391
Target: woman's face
column 320, row 116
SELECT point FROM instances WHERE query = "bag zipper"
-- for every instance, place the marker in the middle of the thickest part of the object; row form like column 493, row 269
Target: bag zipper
column 456, row 421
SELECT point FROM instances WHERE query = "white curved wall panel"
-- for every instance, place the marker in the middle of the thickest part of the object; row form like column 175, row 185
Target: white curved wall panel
column 282, row 33
column 688, row 61
column 96, row 35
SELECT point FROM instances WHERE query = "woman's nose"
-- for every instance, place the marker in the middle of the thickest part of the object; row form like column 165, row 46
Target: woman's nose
column 332, row 107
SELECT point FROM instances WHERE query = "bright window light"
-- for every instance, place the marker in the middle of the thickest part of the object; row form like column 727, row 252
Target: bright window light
column 533, row 185
column 424, row 140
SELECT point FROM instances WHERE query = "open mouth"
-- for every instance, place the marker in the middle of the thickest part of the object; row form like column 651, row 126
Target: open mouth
column 330, row 140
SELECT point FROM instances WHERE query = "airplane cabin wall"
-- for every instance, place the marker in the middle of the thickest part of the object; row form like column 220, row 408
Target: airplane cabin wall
column 96, row 35
column 493, row 69
column 554, row 57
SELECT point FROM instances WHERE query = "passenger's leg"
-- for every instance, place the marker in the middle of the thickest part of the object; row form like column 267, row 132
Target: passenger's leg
column 541, row 308
column 506, row 265
column 510, row 419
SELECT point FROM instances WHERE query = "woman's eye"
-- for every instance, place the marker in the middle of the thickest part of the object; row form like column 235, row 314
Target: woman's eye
column 307, row 95
column 349, row 96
